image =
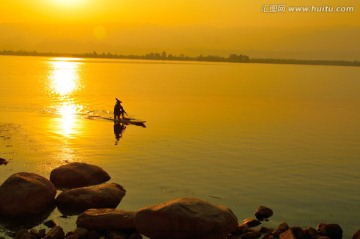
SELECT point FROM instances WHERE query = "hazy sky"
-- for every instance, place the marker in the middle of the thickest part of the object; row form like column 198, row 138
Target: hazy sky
column 258, row 27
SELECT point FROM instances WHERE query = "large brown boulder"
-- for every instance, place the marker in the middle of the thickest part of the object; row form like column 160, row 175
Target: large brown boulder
column 26, row 194
column 185, row 218
column 106, row 219
column 77, row 200
column 75, row 175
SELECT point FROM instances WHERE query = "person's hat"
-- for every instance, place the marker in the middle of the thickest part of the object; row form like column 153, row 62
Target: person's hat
column 118, row 100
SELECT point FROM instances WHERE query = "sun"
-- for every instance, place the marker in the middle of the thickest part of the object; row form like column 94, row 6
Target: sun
column 67, row 10
column 68, row 3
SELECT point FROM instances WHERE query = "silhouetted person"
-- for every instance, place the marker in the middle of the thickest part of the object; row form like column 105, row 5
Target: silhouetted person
column 118, row 110
column 118, row 131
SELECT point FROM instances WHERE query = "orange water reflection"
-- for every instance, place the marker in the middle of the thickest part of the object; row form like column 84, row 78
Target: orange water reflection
column 64, row 77
column 68, row 122
column 64, row 81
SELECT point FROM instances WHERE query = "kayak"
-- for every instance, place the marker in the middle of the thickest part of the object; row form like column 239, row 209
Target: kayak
column 126, row 120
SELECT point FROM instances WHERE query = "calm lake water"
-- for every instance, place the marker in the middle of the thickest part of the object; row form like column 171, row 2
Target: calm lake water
column 239, row 135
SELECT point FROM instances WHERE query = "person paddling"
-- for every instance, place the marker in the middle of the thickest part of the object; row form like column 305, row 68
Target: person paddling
column 118, row 110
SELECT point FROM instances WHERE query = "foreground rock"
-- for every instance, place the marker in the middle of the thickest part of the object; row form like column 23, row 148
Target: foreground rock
column 106, row 219
column 293, row 233
column 26, row 194
column 356, row 235
column 55, row 233
column 75, row 175
column 123, row 235
column 250, row 222
column 332, row 230
column 77, row 200
column 324, row 231
column 22, row 234
column 185, row 218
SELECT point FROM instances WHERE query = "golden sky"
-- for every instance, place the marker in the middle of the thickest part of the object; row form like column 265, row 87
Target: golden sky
column 211, row 24
column 178, row 12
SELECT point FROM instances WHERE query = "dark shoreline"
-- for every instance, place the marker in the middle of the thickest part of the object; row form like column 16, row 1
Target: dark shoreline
column 233, row 58
column 87, row 194
column 249, row 228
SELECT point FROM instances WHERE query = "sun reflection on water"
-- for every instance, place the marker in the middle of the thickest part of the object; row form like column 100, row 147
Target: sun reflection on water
column 68, row 119
column 64, row 80
column 64, row 76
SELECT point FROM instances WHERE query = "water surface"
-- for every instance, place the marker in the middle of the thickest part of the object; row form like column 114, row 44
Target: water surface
column 240, row 135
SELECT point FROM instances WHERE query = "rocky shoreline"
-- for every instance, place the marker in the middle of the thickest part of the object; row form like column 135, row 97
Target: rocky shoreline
column 86, row 193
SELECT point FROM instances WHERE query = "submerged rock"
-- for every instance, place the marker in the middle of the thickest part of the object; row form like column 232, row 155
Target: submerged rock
column 106, row 219
column 185, row 218
column 75, row 175
column 77, row 200
column 263, row 213
column 3, row 161
column 31, row 195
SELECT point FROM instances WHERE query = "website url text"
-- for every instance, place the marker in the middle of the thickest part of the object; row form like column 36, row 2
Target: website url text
column 282, row 8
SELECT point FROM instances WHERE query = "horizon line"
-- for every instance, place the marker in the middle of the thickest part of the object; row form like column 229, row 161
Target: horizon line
column 232, row 58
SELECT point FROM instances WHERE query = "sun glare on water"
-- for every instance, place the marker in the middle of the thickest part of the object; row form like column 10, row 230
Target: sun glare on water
column 64, row 77
column 63, row 81
column 68, row 119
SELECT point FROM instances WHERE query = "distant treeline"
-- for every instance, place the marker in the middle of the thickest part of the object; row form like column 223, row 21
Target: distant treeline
column 237, row 58
column 150, row 56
